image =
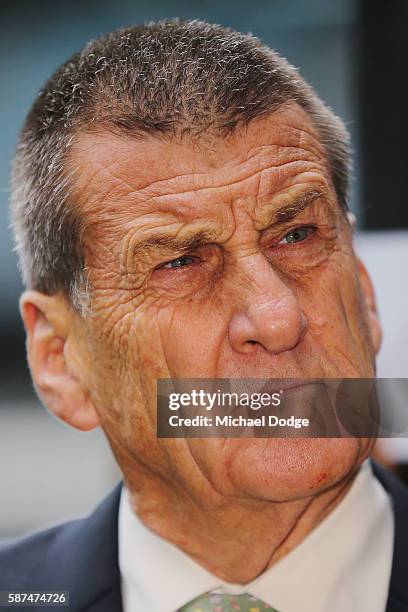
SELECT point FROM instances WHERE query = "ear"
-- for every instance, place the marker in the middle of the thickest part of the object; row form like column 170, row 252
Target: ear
column 57, row 367
column 369, row 296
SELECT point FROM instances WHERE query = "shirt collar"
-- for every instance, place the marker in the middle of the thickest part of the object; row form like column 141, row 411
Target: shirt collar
column 163, row 576
column 338, row 559
column 345, row 562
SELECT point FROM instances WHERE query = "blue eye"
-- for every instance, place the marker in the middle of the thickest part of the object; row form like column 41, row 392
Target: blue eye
column 180, row 262
column 297, row 235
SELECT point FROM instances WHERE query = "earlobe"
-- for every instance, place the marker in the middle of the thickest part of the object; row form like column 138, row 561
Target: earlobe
column 369, row 297
column 54, row 359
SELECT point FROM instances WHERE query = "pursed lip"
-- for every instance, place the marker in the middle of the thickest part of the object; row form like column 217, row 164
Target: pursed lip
column 286, row 385
column 272, row 385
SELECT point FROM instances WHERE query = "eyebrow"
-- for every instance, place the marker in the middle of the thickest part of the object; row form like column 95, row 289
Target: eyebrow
column 164, row 243
column 288, row 212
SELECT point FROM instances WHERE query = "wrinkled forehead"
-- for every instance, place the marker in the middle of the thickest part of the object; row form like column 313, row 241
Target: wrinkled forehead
column 113, row 172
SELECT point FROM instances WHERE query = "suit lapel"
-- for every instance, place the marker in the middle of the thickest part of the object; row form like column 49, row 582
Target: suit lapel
column 108, row 602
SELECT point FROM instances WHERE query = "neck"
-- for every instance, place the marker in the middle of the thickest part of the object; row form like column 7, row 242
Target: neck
column 219, row 536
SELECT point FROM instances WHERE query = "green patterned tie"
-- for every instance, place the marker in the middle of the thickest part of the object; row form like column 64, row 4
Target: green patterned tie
column 214, row 602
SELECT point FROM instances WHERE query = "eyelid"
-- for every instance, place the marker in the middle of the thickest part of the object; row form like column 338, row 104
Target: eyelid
column 294, row 228
column 166, row 263
column 195, row 253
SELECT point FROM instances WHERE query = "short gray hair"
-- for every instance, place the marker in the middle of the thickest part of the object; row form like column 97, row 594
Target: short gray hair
column 171, row 79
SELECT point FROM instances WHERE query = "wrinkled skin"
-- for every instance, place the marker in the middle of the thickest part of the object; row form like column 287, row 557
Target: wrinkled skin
column 243, row 299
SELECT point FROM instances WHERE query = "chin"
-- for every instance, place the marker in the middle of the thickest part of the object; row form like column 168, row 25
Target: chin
column 283, row 469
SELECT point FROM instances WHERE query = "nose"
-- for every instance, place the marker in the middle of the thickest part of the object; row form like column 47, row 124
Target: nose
column 270, row 317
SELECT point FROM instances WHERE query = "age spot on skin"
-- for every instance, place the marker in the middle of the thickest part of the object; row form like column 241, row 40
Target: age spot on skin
column 322, row 476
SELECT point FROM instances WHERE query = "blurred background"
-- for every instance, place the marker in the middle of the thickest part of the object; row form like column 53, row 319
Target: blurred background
column 353, row 52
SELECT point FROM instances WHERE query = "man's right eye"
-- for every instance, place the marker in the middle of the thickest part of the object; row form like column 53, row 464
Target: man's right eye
column 180, row 262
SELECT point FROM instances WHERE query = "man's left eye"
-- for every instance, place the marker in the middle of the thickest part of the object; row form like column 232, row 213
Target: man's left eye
column 297, row 235
column 180, row 262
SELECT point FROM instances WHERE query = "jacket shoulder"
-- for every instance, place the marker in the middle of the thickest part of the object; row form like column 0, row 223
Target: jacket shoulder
column 398, row 491
column 20, row 557
column 79, row 556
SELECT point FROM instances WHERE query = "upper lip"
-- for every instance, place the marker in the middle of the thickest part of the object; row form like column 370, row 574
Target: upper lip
column 276, row 385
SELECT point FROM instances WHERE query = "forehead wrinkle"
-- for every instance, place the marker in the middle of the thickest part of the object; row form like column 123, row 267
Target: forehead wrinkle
column 282, row 161
column 178, row 197
column 260, row 157
column 177, row 206
column 145, row 196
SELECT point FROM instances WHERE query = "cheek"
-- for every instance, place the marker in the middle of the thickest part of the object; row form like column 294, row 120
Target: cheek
column 337, row 318
column 192, row 335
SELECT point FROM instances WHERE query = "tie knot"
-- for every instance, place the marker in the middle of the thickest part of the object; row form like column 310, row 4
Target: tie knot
column 218, row 602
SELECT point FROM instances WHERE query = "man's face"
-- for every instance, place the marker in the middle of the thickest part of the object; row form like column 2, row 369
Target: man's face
column 226, row 258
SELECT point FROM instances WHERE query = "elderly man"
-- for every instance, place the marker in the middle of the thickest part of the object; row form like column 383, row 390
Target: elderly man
column 180, row 210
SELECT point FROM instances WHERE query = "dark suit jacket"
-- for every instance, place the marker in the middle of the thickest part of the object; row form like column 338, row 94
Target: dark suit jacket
column 82, row 557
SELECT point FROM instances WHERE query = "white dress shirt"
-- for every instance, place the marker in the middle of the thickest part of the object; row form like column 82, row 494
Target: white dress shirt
column 343, row 565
